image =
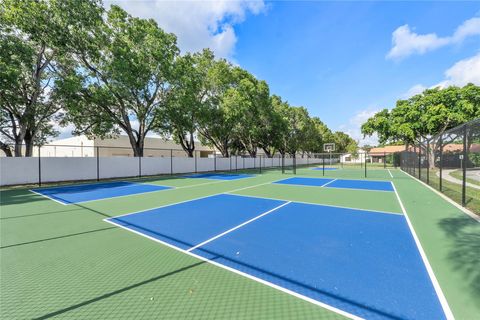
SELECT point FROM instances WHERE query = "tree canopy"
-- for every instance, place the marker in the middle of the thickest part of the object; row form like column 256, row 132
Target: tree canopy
column 107, row 72
column 424, row 115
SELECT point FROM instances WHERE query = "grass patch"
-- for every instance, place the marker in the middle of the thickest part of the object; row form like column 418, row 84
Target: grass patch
column 454, row 191
column 458, row 174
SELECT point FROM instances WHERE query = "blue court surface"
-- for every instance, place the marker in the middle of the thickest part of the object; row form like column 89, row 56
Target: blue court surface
column 313, row 182
column 361, row 262
column 339, row 183
column 326, row 169
column 96, row 191
column 219, row 176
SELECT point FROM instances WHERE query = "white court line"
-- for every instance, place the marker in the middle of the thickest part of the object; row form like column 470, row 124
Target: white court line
column 323, row 185
column 464, row 210
column 49, row 198
column 328, row 183
column 246, row 275
column 256, row 185
column 125, row 195
column 390, row 173
column 185, row 201
column 436, row 285
column 239, row 226
column 114, row 197
column 314, row 204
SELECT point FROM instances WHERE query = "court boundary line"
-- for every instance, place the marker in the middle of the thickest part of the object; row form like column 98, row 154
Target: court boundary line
column 436, row 285
column 193, row 199
column 390, row 173
column 91, row 183
column 166, row 188
column 238, row 226
column 246, row 275
column 128, row 195
column 246, row 176
column 315, row 204
column 49, row 198
column 458, row 206
column 328, row 183
column 323, row 185
column 340, row 178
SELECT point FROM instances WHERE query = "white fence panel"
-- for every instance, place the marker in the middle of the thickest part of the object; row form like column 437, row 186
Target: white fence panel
column 223, row 164
column 116, row 167
column 205, row 164
column 68, row 169
column 155, row 165
column 183, row 165
column 18, row 170
column 249, row 163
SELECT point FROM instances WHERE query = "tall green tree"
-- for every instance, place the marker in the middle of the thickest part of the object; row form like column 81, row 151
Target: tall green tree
column 122, row 78
column 248, row 100
column 188, row 99
column 430, row 113
column 344, row 143
column 273, row 127
column 32, row 44
column 218, row 120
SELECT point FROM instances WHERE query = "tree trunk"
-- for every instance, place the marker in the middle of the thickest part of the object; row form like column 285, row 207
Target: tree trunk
column 18, row 147
column 188, row 144
column 28, row 144
column 6, row 149
column 267, row 151
column 137, row 144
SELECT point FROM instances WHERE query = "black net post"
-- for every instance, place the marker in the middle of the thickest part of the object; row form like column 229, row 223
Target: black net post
column 420, row 161
column 365, row 165
column 283, row 163
column 195, row 155
column 464, row 166
column 171, row 161
column 139, row 166
column 214, row 161
column 428, row 161
column 440, row 164
column 236, row 166
column 260, row 159
column 323, row 164
column 295, row 163
column 39, row 167
column 384, row 160
column 230, row 162
column 98, row 163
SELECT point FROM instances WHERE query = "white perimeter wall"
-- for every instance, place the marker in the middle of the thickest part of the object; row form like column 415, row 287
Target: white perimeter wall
column 25, row 170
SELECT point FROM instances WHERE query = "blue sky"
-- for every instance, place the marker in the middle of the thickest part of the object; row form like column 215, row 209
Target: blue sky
column 341, row 60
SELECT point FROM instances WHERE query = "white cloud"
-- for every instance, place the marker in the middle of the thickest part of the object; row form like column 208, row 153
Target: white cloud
column 464, row 72
column 197, row 24
column 460, row 74
column 353, row 128
column 406, row 42
column 416, row 89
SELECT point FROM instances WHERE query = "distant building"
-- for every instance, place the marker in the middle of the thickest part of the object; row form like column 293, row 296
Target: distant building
column 378, row 154
column 352, row 159
column 82, row 146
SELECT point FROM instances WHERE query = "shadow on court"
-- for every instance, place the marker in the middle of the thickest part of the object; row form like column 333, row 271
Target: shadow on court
column 464, row 254
column 119, row 291
column 57, row 238
column 40, row 214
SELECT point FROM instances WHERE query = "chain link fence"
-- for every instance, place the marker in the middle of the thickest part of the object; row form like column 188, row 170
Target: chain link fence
column 450, row 163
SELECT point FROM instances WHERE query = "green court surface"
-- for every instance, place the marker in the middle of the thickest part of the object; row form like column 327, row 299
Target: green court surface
column 65, row 262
